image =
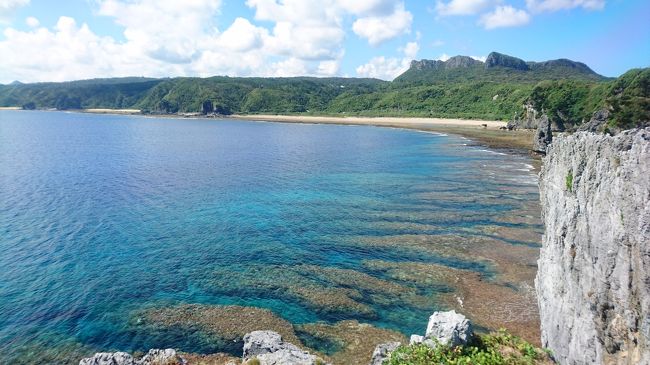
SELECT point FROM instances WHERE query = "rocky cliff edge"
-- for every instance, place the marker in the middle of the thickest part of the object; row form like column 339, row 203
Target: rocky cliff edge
column 593, row 280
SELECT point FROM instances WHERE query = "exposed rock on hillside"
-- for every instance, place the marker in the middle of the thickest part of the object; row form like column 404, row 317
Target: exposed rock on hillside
column 496, row 59
column 593, row 280
column 444, row 328
column 543, row 136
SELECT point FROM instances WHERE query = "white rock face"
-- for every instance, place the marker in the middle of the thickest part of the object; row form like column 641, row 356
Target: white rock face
column 593, row 279
column 269, row 349
column 153, row 357
column 109, row 358
column 449, row 328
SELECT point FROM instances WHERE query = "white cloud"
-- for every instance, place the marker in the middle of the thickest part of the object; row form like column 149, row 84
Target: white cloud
column 479, row 58
column 463, row 7
column 443, row 57
column 377, row 29
column 504, row 16
column 389, row 68
column 437, row 43
column 242, row 36
column 32, row 22
column 411, row 50
column 554, row 5
column 171, row 38
column 328, row 68
column 367, row 7
column 165, row 30
column 7, row 8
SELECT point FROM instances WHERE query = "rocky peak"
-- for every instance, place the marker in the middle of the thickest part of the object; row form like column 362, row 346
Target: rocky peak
column 461, row 62
column 496, row 59
column 453, row 62
column 561, row 63
column 427, row 65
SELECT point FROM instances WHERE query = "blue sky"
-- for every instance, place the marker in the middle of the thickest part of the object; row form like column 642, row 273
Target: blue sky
column 45, row 40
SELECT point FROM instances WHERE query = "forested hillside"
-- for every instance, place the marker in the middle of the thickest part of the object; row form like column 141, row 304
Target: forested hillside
column 460, row 87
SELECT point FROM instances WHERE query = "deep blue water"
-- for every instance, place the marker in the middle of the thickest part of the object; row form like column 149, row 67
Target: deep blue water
column 101, row 216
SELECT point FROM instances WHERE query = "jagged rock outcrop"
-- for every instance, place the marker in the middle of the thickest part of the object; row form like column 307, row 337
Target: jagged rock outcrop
column 462, row 62
column 382, row 352
column 427, row 65
column 269, row 349
column 496, row 59
column 444, row 328
column 451, row 63
column 597, row 121
column 449, row 328
column 593, row 279
column 153, row 357
column 543, row 135
column 531, row 118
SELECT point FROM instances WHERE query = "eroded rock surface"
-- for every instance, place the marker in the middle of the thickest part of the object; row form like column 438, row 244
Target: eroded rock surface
column 269, row 349
column 449, row 328
column 593, row 281
column 543, row 135
column 153, row 357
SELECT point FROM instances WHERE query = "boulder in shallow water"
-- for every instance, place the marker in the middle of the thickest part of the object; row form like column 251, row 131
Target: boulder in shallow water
column 109, row 358
column 449, row 328
column 382, row 352
column 269, row 349
column 153, row 357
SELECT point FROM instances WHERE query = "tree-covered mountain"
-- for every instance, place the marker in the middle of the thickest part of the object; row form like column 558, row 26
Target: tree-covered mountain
column 501, row 88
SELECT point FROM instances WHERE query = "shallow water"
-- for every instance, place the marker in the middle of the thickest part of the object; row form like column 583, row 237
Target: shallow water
column 105, row 216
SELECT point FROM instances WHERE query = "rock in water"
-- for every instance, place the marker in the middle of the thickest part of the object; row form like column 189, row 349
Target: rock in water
column 161, row 357
column 593, row 278
column 269, row 349
column 153, row 357
column 109, row 358
column 449, row 328
column 543, row 136
column 382, row 352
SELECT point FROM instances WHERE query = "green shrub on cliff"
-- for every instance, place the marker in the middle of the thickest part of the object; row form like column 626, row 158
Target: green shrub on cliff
column 499, row 348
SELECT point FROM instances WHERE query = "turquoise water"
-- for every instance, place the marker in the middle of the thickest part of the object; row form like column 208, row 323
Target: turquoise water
column 102, row 216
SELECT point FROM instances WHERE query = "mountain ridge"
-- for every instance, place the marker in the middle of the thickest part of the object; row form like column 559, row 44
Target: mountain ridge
column 495, row 68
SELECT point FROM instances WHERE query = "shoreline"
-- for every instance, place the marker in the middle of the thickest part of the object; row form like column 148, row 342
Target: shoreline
column 483, row 132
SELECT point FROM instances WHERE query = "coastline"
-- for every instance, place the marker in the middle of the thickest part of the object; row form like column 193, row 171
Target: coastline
column 472, row 294
column 483, row 132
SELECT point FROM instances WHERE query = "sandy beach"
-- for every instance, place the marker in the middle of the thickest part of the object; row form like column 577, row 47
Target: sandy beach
column 486, row 132
column 113, row 111
column 377, row 121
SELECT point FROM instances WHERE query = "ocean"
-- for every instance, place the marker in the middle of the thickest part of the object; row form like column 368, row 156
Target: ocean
column 107, row 221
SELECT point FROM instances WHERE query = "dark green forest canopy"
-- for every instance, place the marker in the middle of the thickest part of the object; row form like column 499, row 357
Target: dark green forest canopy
column 459, row 87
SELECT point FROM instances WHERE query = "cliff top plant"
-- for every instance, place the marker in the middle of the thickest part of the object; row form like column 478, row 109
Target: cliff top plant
column 494, row 349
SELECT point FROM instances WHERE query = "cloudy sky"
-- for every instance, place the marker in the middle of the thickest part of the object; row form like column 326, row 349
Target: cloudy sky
column 45, row 40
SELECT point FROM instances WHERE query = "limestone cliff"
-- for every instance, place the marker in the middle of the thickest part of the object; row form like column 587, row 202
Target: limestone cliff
column 593, row 280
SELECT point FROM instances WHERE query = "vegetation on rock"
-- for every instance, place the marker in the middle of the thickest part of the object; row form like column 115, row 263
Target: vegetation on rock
column 494, row 349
